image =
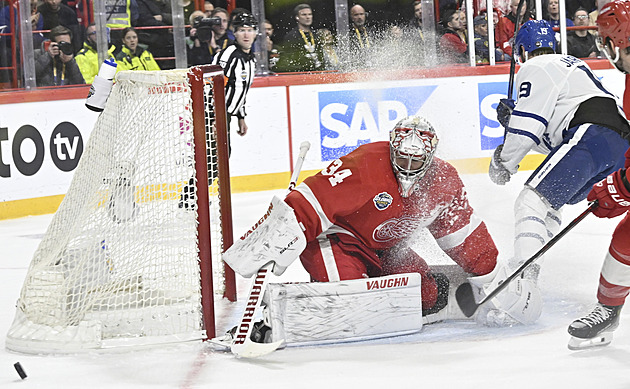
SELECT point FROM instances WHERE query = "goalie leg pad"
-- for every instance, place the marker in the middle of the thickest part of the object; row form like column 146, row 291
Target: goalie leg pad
column 277, row 237
column 354, row 310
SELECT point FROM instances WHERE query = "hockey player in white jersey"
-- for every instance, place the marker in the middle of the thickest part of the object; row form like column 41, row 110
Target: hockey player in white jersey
column 563, row 111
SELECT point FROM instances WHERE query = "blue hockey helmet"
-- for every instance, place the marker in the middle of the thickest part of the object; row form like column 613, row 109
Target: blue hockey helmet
column 533, row 35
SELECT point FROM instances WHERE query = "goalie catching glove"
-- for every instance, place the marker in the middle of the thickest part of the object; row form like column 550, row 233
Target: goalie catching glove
column 520, row 302
column 277, row 237
column 612, row 194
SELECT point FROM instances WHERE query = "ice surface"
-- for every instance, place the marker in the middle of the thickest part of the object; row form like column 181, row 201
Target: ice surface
column 443, row 355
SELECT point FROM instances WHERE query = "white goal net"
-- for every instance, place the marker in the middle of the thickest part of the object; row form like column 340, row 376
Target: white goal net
column 123, row 260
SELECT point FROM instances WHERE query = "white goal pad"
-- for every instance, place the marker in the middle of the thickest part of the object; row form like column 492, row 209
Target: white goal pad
column 313, row 313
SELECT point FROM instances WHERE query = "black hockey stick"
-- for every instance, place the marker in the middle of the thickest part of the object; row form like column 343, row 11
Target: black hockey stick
column 517, row 22
column 464, row 294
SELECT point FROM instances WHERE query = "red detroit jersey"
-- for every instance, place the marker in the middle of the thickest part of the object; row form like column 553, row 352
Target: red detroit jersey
column 358, row 195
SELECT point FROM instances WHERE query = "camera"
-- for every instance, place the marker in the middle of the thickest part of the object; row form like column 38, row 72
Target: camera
column 65, row 47
column 204, row 27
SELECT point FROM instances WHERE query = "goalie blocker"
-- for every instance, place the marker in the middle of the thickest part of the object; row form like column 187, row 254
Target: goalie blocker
column 276, row 237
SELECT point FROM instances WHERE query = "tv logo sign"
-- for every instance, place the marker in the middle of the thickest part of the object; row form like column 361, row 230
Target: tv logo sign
column 28, row 149
column 348, row 119
column 491, row 130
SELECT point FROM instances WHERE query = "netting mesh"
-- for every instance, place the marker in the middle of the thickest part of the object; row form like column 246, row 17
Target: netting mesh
column 120, row 258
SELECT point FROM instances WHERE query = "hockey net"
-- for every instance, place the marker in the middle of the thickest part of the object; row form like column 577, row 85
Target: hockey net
column 132, row 256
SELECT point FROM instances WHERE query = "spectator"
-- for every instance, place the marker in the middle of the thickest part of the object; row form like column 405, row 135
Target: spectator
column 56, row 14
column 331, row 59
column 154, row 13
column 220, row 39
column 200, row 50
column 189, row 8
column 120, row 14
column 580, row 43
column 131, row 56
column 6, row 53
column 417, row 36
column 504, row 30
column 301, row 51
column 360, row 38
column 87, row 57
column 573, row 5
column 415, row 24
column 482, row 51
column 273, row 54
column 208, row 7
column 54, row 62
column 453, row 43
column 239, row 66
column 553, row 15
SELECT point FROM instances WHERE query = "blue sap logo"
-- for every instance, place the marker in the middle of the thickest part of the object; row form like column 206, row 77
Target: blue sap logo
column 348, row 119
column 491, row 130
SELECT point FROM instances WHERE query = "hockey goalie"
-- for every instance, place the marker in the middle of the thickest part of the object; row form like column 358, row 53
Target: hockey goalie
column 350, row 225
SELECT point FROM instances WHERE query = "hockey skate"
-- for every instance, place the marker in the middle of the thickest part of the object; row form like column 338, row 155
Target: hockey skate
column 595, row 329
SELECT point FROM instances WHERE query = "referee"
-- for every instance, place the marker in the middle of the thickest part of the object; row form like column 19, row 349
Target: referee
column 239, row 65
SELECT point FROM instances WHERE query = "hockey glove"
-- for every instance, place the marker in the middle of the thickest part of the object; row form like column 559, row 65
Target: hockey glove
column 504, row 111
column 613, row 195
column 497, row 172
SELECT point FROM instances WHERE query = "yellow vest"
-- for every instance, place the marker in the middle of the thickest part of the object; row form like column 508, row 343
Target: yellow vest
column 120, row 16
column 87, row 59
column 142, row 60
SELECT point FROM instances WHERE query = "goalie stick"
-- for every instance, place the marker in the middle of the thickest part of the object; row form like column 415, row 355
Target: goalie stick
column 465, row 296
column 242, row 344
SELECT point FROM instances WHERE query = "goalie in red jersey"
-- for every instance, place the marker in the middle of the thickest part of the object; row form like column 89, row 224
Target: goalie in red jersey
column 354, row 220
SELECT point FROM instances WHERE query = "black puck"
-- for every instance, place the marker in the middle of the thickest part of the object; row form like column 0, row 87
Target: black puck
column 19, row 370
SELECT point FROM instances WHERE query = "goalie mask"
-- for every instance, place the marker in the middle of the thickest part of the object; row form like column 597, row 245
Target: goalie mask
column 412, row 143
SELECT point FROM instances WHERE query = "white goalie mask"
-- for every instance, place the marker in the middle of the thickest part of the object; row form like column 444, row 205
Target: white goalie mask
column 412, row 143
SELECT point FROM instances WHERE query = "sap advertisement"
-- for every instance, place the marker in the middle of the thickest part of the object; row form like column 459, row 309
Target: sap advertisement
column 337, row 118
column 462, row 110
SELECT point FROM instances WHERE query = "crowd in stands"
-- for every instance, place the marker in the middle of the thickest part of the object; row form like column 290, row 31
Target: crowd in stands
column 305, row 46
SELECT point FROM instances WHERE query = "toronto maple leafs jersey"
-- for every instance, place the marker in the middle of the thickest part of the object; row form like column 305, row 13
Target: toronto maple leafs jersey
column 550, row 89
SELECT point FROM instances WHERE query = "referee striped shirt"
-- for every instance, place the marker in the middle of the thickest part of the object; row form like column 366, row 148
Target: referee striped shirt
column 239, row 68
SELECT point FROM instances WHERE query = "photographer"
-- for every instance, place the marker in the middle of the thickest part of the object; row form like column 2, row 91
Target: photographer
column 208, row 37
column 54, row 62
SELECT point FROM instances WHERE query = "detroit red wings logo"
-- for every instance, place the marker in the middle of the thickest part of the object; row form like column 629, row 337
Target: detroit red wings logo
column 396, row 228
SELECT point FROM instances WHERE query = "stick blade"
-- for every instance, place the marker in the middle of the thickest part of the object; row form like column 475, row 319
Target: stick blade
column 251, row 349
column 466, row 299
